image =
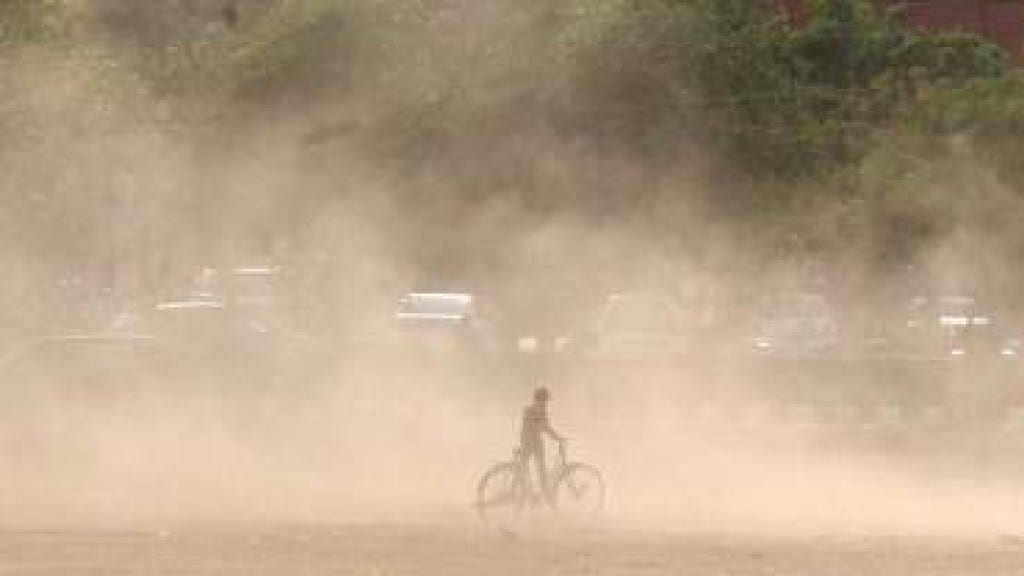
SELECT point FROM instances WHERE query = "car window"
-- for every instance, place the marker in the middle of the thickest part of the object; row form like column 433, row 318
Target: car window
column 435, row 305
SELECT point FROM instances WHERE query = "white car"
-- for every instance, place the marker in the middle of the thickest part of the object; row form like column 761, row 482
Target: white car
column 443, row 321
column 440, row 308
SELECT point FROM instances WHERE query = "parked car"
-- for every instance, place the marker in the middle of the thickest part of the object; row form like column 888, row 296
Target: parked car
column 633, row 325
column 244, row 298
column 795, row 324
column 958, row 325
column 443, row 321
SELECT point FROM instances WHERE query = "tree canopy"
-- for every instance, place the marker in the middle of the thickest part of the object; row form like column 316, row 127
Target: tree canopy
column 591, row 107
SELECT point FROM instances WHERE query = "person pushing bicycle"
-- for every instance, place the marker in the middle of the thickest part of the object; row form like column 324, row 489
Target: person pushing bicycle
column 535, row 425
column 571, row 489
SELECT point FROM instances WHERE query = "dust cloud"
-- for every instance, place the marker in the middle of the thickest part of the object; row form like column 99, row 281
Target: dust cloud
column 109, row 189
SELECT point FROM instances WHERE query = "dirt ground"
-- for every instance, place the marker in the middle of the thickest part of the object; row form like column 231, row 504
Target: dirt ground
column 469, row 550
column 294, row 484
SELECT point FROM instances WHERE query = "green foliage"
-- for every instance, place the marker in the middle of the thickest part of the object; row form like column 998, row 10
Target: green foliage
column 834, row 107
column 33, row 21
column 770, row 98
column 782, row 100
column 303, row 46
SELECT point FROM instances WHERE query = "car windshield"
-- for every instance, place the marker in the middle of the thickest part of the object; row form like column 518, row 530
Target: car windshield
column 435, row 305
column 255, row 287
column 956, row 311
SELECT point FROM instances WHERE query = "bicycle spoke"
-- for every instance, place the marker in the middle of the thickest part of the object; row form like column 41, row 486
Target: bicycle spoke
column 581, row 493
column 576, row 490
column 500, row 494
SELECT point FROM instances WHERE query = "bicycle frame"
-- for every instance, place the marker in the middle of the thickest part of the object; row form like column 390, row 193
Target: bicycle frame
column 515, row 487
column 553, row 474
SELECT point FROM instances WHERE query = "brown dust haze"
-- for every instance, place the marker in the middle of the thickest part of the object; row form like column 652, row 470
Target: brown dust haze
column 446, row 158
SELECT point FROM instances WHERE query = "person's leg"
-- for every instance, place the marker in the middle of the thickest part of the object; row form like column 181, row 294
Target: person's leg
column 542, row 475
column 525, row 455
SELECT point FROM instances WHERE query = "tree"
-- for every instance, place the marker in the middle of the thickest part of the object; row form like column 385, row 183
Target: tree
column 33, row 21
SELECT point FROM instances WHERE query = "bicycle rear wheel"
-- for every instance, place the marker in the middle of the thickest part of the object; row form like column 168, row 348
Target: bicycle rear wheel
column 500, row 494
column 580, row 492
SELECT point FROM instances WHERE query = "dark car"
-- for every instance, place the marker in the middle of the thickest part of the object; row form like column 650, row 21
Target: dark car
column 243, row 299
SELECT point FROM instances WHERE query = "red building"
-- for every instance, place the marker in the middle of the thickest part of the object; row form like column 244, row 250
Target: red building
column 1002, row 21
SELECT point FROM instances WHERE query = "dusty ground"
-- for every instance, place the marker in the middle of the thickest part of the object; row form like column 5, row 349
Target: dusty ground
column 465, row 550
column 382, row 484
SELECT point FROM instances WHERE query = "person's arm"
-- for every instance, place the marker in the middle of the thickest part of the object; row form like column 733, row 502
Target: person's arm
column 551, row 431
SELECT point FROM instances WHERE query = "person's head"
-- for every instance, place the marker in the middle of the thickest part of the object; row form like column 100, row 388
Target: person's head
column 541, row 395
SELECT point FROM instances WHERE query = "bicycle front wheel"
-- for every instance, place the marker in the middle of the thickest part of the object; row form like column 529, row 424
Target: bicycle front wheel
column 500, row 494
column 580, row 492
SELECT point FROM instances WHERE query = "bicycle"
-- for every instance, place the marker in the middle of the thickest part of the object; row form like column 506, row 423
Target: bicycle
column 577, row 489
